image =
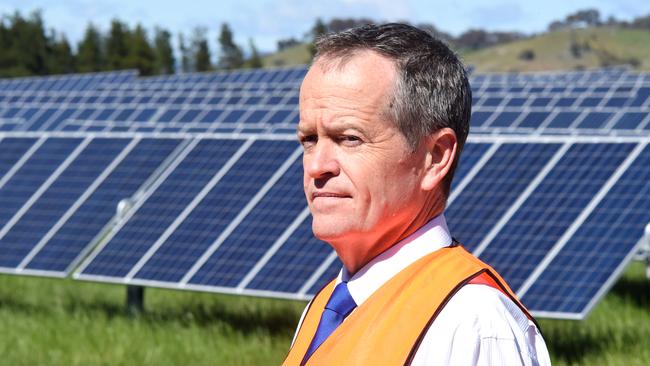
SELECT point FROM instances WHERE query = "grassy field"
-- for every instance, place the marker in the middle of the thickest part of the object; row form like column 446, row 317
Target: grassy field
column 64, row 322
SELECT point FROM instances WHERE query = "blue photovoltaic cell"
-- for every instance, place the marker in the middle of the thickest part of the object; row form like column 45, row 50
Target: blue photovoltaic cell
column 630, row 120
column 563, row 120
column 516, row 102
column 565, row 102
column 492, row 102
column 100, row 207
column 551, row 208
column 215, row 212
column 641, row 96
column 41, row 118
column 279, row 116
column 293, row 263
column 540, row 102
column 145, row 115
column 56, row 199
column 616, row 102
column 595, row 120
column 124, row 114
column 105, row 114
column 169, row 115
column 471, row 154
column 59, row 119
column 256, row 116
column 86, row 113
column 600, row 245
column 234, row 115
column 590, row 102
column 257, row 232
column 533, row 119
column 493, row 190
column 28, row 179
column 163, row 206
column 505, row 119
column 211, row 116
column 11, row 150
column 189, row 115
column 479, row 118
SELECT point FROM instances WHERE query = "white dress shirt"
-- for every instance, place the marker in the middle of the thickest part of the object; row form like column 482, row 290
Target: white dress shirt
column 478, row 326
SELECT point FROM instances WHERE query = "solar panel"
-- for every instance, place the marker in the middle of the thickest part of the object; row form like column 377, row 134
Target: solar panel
column 40, row 167
column 570, row 281
column 18, row 237
column 76, row 229
column 495, row 188
column 525, row 236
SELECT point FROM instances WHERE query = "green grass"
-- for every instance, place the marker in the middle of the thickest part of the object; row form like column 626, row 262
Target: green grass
column 65, row 322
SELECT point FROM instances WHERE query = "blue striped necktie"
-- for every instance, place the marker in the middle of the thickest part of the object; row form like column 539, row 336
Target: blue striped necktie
column 339, row 306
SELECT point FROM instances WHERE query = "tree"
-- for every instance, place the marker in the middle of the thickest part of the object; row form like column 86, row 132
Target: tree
column 201, row 50
column 62, row 60
column 141, row 55
column 26, row 45
column 186, row 54
column 286, row 43
column 587, row 17
column 117, row 46
column 317, row 30
column 254, row 61
column 231, row 56
column 473, row 39
column 90, row 54
column 164, row 52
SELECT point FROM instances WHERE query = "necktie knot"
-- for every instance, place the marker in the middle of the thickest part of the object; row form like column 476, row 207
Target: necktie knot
column 341, row 301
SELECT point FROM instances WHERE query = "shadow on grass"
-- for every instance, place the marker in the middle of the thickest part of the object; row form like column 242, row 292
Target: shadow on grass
column 635, row 290
column 274, row 320
column 572, row 349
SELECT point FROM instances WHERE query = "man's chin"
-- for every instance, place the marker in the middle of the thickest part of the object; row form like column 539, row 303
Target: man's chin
column 330, row 232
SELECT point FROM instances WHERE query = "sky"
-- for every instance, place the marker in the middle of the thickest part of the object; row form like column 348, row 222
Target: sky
column 267, row 21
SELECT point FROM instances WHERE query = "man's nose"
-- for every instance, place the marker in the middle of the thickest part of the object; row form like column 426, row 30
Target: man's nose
column 321, row 161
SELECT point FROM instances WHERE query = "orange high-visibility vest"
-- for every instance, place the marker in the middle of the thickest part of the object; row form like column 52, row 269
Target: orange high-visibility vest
column 388, row 327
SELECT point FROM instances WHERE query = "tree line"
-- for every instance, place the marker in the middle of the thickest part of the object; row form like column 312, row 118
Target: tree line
column 27, row 47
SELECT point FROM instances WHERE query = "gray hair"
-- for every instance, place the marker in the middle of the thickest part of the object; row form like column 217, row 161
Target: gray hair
column 431, row 92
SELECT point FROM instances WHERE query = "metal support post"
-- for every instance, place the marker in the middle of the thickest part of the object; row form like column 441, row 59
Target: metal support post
column 134, row 300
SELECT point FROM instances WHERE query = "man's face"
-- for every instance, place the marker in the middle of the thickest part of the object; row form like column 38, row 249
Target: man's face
column 361, row 178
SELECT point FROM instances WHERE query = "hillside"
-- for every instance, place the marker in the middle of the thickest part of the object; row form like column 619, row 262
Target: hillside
column 561, row 50
column 567, row 50
column 295, row 55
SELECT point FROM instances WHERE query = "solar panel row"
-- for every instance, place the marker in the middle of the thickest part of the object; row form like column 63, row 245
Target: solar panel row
column 223, row 210
column 227, row 214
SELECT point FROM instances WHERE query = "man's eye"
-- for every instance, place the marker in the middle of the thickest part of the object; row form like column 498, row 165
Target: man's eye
column 350, row 140
column 308, row 140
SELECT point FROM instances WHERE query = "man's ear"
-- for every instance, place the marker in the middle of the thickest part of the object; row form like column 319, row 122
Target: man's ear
column 441, row 150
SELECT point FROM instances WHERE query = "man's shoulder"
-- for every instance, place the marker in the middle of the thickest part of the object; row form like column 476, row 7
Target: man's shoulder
column 484, row 310
column 482, row 326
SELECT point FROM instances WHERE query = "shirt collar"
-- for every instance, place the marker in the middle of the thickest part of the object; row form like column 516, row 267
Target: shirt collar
column 427, row 239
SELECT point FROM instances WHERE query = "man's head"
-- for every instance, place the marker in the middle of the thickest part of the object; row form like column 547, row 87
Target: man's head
column 384, row 112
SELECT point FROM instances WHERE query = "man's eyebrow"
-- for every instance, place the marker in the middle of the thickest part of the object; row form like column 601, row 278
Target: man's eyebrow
column 300, row 128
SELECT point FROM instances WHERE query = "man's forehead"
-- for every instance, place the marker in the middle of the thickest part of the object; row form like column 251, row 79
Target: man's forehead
column 364, row 69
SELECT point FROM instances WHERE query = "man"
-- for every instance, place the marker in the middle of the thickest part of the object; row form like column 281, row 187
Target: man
column 384, row 114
